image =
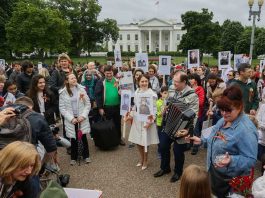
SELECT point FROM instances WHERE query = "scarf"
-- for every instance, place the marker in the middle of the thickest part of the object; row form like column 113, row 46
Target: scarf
column 89, row 86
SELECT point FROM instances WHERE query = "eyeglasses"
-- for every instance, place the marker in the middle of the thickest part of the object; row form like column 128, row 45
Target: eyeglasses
column 227, row 110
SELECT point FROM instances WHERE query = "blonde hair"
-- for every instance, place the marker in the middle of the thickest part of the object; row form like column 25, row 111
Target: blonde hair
column 194, row 183
column 18, row 155
column 44, row 72
column 63, row 56
column 2, row 79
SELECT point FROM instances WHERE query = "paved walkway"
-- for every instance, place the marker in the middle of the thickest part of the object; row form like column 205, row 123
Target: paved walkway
column 115, row 173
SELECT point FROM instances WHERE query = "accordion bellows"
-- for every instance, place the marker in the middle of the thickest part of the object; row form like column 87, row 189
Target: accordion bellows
column 177, row 117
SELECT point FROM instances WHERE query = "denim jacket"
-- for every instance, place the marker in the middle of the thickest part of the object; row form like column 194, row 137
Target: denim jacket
column 240, row 141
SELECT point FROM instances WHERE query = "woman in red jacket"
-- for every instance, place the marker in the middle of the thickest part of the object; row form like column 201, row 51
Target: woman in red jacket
column 195, row 83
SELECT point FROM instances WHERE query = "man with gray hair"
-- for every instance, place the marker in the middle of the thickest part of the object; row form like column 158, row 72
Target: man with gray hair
column 187, row 95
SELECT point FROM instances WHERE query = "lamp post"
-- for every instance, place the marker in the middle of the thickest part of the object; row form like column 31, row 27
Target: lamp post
column 254, row 14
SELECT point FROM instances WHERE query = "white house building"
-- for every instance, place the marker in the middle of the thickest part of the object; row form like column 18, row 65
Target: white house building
column 150, row 35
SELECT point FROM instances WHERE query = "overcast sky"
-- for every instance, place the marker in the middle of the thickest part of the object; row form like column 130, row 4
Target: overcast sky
column 127, row 11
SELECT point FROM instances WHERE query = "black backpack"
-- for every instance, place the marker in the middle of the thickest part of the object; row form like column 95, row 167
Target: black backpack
column 16, row 128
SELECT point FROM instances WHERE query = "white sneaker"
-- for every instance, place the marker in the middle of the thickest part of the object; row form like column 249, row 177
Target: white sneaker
column 73, row 162
column 88, row 160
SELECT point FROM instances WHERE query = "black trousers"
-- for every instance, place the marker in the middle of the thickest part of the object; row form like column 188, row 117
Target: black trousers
column 74, row 146
column 113, row 112
column 165, row 147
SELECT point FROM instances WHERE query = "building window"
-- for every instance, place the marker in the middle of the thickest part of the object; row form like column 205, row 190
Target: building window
column 166, row 37
column 147, row 48
column 147, row 37
column 136, row 48
column 120, row 36
column 136, row 37
column 113, row 47
column 129, row 48
column 166, row 48
column 178, row 37
column 121, row 47
column 128, row 37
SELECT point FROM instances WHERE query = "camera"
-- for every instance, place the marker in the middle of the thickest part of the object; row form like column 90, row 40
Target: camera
column 64, row 180
column 54, row 129
column 18, row 109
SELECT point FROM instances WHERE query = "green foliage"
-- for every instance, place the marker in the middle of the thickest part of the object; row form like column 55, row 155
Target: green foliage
column 231, row 32
column 33, row 27
column 202, row 33
column 260, row 42
column 85, row 28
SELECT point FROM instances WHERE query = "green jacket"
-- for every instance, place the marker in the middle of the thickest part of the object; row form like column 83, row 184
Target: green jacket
column 250, row 94
column 159, row 116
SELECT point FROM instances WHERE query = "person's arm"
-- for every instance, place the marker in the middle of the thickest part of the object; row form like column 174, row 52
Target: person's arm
column 255, row 102
column 246, row 158
column 63, row 108
column 19, row 82
column 53, row 81
column 87, row 104
column 99, row 94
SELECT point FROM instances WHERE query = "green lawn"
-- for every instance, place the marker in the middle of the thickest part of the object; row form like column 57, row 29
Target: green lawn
column 103, row 60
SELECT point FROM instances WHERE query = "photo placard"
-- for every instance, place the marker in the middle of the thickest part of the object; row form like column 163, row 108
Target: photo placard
column 141, row 60
column 193, row 58
column 164, row 65
column 224, row 60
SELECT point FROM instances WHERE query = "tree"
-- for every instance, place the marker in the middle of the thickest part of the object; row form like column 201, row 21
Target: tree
column 6, row 8
column 231, row 32
column 202, row 33
column 85, row 28
column 36, row 28
column 260, row 42
column 243, row 43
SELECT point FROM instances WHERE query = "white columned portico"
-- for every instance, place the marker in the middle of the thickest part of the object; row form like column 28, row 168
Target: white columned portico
column 140, row 42
column 150, row 41
column 160, row 40
column 170, row 40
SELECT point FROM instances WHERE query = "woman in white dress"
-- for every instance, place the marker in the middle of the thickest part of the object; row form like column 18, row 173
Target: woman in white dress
column 139, row 128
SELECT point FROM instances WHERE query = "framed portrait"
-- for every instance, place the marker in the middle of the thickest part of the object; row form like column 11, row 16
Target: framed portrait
column 117, row 58
column 193, row 58
column 164, row 65
column 240, row 58
column 144, row 106
column 224, row 60
column 141, row 60
column 125, row 105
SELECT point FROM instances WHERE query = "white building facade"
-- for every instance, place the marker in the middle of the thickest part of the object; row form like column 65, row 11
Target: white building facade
column 153, row 35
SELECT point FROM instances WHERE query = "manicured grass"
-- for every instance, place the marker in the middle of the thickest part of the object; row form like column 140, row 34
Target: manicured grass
column 103, row 60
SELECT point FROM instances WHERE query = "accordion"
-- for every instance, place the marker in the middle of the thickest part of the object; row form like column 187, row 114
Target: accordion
column 176, row 118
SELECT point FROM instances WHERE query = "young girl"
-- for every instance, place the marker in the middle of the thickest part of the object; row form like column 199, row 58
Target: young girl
column 139, row 128
column 195, row 183
column 6, row 98
column 74, row 105
column 11, row 87
column 43, row 98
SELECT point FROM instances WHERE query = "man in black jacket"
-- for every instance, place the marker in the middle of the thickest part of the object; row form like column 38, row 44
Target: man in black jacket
column 24, row 79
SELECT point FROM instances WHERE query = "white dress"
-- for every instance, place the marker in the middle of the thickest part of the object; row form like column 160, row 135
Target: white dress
column 138, row 131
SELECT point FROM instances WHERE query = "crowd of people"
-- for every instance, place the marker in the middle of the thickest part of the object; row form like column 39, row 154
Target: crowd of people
column 79, row 94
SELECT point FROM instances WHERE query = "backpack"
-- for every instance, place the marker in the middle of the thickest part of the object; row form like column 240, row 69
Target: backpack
column 17, row 128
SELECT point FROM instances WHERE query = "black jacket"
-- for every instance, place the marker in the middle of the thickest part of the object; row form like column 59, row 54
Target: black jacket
column 41, row 132
column 24, row 81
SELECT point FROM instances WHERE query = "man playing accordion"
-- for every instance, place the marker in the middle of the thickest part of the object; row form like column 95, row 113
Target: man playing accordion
column 186, row 96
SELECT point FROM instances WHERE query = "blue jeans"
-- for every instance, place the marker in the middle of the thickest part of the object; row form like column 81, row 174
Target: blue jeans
column 165, row 146
column 159, row 132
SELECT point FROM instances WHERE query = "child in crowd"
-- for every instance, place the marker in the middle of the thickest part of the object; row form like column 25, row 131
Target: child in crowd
column 215, row 113
column 195, row 183
column 160, row 105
